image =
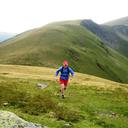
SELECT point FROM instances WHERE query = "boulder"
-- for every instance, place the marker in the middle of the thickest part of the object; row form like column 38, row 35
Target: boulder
column 10, row 120
column 41, row 85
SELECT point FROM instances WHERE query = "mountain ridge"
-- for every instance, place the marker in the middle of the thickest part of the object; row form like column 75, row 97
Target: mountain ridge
column 115, row 37
column 5, row 36
column 119, row 21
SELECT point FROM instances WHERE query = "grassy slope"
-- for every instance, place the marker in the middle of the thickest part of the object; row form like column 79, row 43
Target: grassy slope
column 90, row 102
column 50, row 45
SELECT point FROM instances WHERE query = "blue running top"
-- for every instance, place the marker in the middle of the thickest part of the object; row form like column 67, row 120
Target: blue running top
column 64, row 72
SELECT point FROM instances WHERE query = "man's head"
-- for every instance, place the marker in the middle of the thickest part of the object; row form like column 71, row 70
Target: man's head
column 65, row 63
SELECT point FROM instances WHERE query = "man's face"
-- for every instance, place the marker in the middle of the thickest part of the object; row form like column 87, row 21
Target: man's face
column 65, row 66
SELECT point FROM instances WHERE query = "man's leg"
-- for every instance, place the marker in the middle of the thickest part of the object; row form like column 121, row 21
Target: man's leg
column 65, row 84
column 62, row 90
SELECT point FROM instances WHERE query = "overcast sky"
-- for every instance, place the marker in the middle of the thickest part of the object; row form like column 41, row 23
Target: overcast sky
column 17, row 16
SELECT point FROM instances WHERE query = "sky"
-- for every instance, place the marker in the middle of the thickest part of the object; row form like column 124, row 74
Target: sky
column 17, row 16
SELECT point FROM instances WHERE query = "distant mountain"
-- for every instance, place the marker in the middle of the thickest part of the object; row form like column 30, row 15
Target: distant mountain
column 4, row 36
column 71, row 40
column 120, row 21
column 115, row 36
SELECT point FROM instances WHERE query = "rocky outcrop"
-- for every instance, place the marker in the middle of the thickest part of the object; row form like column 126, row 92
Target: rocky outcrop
column 10, row 120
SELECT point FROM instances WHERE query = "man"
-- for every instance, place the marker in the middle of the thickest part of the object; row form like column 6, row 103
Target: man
column 65, row 72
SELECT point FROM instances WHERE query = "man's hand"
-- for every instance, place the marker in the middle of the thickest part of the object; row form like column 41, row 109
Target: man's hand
column 56, row 78
column 71, row 78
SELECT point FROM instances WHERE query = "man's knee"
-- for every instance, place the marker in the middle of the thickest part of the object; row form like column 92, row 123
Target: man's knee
column 62, row 86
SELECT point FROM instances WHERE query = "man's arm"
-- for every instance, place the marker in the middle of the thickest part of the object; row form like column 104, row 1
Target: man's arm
column 57, row 72
column 71, row 71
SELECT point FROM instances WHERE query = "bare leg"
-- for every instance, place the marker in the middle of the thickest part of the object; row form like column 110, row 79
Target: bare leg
column 64, row 87
column 62, row 90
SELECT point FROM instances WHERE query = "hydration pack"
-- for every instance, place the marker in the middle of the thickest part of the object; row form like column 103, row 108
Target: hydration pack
column 63, row 70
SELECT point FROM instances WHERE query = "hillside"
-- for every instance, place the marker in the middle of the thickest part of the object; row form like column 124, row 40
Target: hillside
column 116, row 36
column 90, row 102
column 51, row 44
column 120, row 21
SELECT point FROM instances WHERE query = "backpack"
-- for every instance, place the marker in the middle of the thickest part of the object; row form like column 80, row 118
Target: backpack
column 63, row 70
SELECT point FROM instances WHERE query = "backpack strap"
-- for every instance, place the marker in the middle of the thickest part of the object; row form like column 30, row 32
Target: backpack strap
column 63, row 70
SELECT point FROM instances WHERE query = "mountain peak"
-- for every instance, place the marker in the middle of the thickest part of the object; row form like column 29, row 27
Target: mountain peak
column 88, row 22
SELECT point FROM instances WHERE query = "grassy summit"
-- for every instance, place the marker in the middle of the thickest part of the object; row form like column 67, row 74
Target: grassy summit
column 90, row 102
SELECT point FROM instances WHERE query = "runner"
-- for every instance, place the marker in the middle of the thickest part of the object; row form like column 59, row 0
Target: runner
column 65, row 71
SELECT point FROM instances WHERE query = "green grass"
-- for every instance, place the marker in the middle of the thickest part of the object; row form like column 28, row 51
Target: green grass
column 90, row 102
column 49, row 45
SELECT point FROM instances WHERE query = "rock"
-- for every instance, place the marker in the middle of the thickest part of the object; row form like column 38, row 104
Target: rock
column 10, row 120
column 41, row 85
column 5, row 104
column 67, row 125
